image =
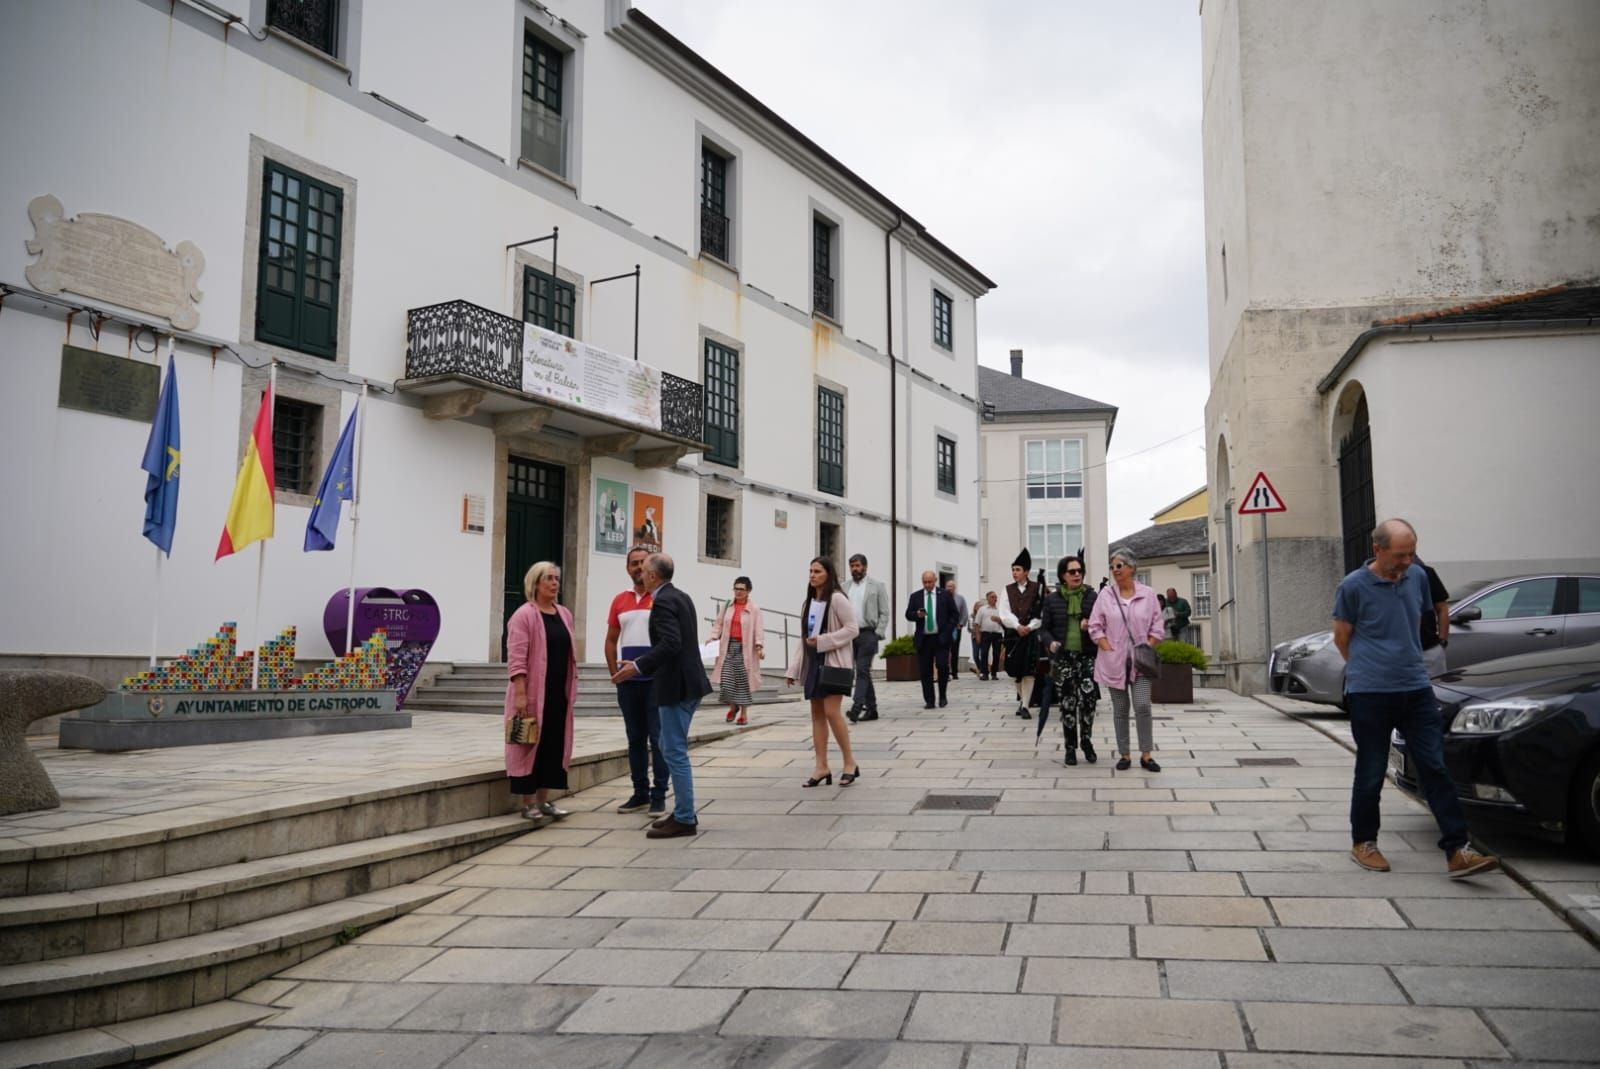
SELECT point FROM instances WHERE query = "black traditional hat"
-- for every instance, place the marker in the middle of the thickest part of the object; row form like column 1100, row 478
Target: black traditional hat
column 1024, row 560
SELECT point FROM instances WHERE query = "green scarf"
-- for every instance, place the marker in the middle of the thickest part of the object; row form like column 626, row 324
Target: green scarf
column 1073, row 639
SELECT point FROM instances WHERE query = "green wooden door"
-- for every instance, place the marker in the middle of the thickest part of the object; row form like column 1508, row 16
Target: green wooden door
column 535, row 519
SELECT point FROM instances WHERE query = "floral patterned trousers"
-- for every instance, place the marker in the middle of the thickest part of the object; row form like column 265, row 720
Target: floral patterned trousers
column 1076, row 693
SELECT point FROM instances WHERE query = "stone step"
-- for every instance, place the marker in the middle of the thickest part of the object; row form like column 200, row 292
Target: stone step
column 135, row 1041
column 115, row 986
column 65, row 924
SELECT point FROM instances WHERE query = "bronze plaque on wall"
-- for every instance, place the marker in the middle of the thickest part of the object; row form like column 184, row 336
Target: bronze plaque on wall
column 109, row 385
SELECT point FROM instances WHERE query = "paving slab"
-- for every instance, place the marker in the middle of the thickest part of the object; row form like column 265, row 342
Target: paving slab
column 773, row 1052
column 1402, row 1030
column 1550, row 1034
column 1281, row 982
column 820, row 1014
column 1120, row 1058
column 1092, row 976
column 768, row 969
column 339, row 1050
column 977, row 1018
column 934, row 972
column 568, row 1052
column 945, row 937
column 651, row 1010
column 1140, row 1022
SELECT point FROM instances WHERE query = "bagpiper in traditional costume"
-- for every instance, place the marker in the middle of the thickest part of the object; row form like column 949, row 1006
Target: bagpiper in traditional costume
column 1020, row 618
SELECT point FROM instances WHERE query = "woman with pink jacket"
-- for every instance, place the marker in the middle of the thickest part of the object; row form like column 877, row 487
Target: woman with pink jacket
column 831, row 631
column 1125, row 614
column 737, row 632
column 544, row 680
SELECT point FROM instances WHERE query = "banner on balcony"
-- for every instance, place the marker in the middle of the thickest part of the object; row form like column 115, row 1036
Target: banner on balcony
column 583, row 375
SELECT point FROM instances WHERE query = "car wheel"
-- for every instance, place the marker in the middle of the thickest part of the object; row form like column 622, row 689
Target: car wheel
column 1586, row 804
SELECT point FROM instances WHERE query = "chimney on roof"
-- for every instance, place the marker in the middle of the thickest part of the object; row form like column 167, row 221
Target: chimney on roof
column 1016, row 363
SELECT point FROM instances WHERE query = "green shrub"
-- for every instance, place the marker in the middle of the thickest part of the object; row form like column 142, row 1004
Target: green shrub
column 895, row 648
column 1173, row 652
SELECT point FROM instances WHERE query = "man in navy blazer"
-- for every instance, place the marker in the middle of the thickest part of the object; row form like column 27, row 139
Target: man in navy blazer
column 933, row 613
column 679, row 683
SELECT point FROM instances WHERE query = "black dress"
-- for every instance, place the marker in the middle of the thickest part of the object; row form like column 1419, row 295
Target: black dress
column 548, row 771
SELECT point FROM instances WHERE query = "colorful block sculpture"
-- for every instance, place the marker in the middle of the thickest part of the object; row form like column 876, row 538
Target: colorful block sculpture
column 215, row 664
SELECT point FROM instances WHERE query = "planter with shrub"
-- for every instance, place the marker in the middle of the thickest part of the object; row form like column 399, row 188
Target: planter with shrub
column 1175, row 684
column 899, row 660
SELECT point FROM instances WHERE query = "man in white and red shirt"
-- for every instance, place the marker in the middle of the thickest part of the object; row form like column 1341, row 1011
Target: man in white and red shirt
column 628, row 639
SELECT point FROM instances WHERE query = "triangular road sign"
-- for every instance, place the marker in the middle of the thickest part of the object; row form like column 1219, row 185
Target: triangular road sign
column 1261, row 497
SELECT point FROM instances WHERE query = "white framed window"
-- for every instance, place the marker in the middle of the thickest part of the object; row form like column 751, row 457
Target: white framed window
column 1049, row 542
column 1055, row 468
column 1142, row 576
column 1200, row 594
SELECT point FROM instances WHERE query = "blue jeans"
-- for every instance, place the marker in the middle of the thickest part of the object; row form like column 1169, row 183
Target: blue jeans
column 1373, row 716
column 675, row 748
column 643, row 724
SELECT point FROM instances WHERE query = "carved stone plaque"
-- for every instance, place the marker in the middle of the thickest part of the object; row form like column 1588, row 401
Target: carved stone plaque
column 115, row 260
column 109, row 385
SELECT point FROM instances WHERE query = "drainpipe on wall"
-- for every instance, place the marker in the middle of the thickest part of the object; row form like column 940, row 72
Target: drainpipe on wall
column 894, row 430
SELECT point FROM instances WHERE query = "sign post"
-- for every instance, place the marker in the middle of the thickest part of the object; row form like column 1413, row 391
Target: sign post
column 1259, row 500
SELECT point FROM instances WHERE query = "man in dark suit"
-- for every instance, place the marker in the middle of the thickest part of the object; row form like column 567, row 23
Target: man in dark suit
column 933, row 611
column 679, row 683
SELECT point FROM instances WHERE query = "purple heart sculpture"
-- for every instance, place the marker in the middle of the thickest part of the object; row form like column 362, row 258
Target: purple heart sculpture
column 410, row 618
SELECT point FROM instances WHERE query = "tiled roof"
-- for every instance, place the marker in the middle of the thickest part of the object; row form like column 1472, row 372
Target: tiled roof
column 1010, row 394
column 1181, row 538
column 1566, row 301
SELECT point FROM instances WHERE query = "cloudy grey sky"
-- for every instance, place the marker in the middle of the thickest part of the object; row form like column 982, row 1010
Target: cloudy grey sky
column 1053, row 143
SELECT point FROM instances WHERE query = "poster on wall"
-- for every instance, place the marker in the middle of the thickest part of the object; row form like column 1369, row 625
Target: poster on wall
column 648, row 516
column 611, row 534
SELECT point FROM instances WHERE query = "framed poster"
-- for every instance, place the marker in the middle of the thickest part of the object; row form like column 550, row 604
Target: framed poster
column 648, row 520
column 611, row 531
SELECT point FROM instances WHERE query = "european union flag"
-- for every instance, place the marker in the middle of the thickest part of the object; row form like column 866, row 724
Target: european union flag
column 338, row 484
column 161, row 456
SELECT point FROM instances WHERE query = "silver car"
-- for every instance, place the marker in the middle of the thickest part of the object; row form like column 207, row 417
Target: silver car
column 1489, row 619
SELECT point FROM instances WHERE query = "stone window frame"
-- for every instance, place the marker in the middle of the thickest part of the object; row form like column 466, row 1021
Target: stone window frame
column 939, row 293
column 734, row 494
column 955, row 464
column 293, row 385
column 260, row 152
column 705, row 137
column 347, row 56
column 833, row 516
column 818, row 383
column 706, row 334
column 533, row 18
column 580, row 288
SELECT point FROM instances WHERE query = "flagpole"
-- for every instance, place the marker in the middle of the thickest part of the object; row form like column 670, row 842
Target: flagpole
column 155, row 614
column 261, row 556
column 355, row 521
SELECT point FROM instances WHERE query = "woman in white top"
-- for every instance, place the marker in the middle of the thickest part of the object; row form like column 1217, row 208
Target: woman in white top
column 831, row 630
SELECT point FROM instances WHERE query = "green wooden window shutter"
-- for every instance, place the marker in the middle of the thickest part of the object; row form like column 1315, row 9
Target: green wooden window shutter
column 297, row 292
column 722, row 404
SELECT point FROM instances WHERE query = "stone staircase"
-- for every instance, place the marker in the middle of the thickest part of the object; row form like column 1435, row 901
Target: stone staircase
column 133, row 946
column 481, row 688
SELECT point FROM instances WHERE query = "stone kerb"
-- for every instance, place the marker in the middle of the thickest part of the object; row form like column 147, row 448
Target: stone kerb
column 27, row 695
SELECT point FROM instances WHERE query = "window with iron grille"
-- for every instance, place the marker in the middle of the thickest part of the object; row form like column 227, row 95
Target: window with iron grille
column 822, row 280
column 719, row 527
column 828, row 540
column 722, row 403
column 544, row 122
column 294, row 445
column 713, row 203
column 547, row 301
column 943, row 318
column 1200, row 593
column 830, row 441
column 316, row 22
column 297, row 278
column 945, row 464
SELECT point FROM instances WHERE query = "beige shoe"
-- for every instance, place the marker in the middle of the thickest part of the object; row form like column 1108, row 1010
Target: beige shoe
column 1468, row 862
column 1368, row 857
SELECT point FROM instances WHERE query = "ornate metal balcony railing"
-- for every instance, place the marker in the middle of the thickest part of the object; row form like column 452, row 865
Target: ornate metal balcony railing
column 713, row 234
column 316, row 22
column 821, row 293
column 465, row 339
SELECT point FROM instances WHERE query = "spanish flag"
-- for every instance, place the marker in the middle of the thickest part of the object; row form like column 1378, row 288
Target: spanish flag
column 250, row 511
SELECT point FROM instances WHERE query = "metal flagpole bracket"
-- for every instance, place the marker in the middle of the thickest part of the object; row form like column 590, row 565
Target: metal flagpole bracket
column 636, row 274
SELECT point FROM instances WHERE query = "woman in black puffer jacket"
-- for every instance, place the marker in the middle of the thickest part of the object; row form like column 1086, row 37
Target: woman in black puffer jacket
column 1064, row 636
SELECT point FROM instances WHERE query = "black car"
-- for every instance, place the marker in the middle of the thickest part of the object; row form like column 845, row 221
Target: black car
column 1522, row 742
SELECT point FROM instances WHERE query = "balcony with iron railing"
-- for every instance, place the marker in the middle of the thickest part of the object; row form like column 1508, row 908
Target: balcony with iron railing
column 463, row 360
column 822, row 293
column 714, row 234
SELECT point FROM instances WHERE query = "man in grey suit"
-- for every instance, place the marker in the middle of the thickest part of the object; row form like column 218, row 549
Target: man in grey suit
column 870, row 600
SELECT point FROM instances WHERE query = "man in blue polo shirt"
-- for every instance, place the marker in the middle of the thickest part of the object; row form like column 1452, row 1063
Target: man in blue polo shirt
column 1377, row 614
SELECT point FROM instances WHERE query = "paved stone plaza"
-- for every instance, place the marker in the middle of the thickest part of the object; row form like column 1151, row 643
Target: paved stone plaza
column 1205, row 916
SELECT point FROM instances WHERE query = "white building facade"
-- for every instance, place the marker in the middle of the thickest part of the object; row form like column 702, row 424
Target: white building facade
column 384, row 197
column 1348, row 182
column 1044, row 474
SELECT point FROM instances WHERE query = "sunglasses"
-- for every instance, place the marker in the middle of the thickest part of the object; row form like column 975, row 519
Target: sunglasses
column 1117, row 566
column 1074, row 571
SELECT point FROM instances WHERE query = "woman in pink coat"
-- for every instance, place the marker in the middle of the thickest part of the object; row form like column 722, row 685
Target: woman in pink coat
column 831, row 631
column 544, row 684
column 737, row 632
column 1125, row 614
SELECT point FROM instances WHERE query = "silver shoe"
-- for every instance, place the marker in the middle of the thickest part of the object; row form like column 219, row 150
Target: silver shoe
column 535, row 817
column 549, row 809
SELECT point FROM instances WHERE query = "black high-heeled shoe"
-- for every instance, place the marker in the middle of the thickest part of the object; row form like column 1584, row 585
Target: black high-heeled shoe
column 819, row 781
column 847, row 778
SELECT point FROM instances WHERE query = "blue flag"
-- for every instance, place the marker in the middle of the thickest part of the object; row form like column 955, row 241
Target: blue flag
column 161, row 456
column 338, row 484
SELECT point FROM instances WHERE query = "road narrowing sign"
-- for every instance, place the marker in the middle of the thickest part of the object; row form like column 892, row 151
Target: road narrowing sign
column 1261, row 497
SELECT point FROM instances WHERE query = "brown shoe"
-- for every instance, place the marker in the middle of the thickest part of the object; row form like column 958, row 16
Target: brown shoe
column 671, row 829
column 1468, row 862
column 1368, row 857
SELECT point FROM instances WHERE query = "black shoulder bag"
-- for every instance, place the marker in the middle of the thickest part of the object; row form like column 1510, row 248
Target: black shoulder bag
column 831, row 679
